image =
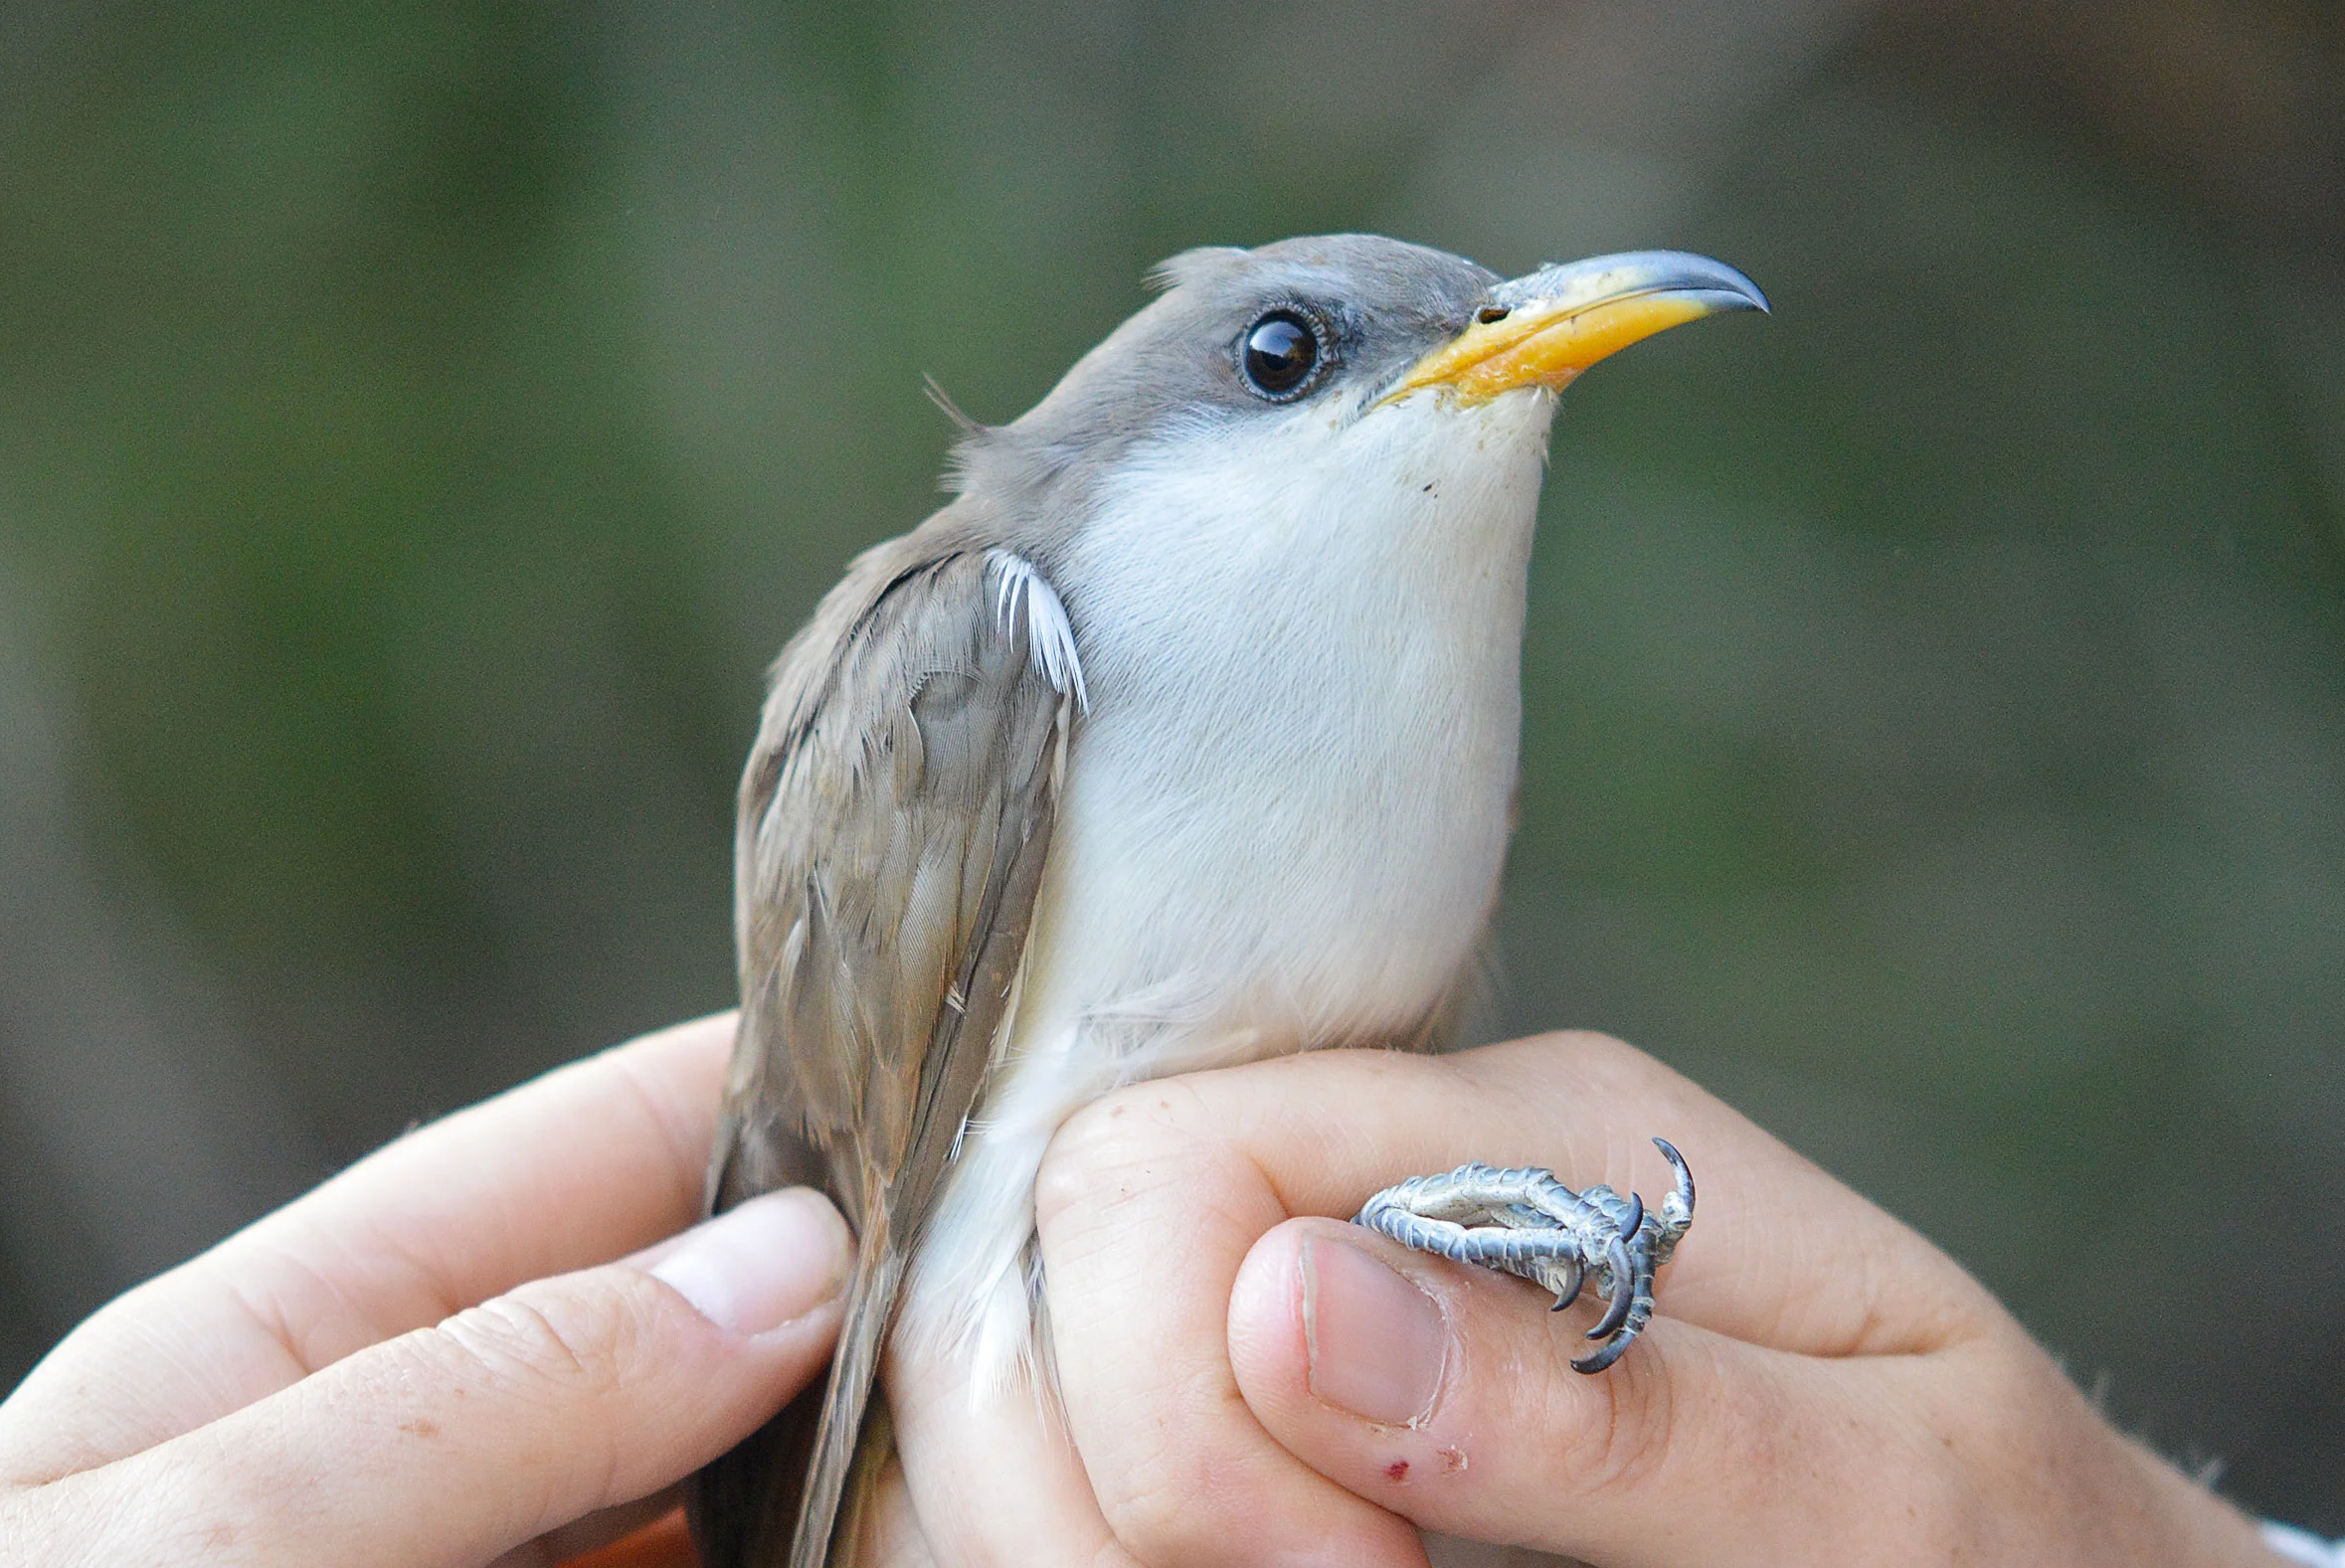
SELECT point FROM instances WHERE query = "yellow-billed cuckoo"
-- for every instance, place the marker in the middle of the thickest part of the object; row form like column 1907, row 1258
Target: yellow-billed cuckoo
column 1185, row 735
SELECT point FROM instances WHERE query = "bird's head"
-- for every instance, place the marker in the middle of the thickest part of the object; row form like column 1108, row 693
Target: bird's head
column 1334, row 369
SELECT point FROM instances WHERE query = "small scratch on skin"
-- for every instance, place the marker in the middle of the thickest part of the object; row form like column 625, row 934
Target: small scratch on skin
column 1451, row 1461
column 1396, row 1470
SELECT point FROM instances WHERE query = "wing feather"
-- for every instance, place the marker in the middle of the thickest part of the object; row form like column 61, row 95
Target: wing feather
column 894, row 817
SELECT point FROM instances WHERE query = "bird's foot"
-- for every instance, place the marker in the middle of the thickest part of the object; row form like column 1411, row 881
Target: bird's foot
column 1528, row 1224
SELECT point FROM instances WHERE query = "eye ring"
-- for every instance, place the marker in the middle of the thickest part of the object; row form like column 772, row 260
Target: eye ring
column 1281, row 354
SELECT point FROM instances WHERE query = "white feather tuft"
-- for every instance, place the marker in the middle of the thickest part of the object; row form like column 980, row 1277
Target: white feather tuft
column 1050, row 635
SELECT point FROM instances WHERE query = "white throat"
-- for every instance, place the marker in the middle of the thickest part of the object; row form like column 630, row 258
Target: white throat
column 1298, row 636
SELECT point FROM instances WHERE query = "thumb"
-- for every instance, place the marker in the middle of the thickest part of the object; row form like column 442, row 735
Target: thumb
column 1446, row 1395
column 454, row 1442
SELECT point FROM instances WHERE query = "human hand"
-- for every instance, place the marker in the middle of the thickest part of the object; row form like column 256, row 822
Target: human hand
column 432, row 1359
column 1246, row 1382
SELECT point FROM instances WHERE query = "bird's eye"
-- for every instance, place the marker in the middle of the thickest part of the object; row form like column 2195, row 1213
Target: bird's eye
column 1278, row 355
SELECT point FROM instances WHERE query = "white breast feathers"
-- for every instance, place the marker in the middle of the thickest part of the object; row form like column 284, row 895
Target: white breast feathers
column 1287, row 803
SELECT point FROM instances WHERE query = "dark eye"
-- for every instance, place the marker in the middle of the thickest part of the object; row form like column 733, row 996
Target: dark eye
column 1278, row 354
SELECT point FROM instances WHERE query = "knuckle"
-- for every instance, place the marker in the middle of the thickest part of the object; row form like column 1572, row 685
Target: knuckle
column 1644, row 1429
column 1185, row 1503
column 1102, row 1153
column 1591, row 1044
column 570, row 1340
column 1580, row 1057
column 1152, row 1514
column 1639, row 1426
column 1741, row 1426
column 1613, row 1430
column 1601, row 1057
column 208, row 1511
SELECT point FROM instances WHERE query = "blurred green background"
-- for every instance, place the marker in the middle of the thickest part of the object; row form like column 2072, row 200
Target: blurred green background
column 419, row 424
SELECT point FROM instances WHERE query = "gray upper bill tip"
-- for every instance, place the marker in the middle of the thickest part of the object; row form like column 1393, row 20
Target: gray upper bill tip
column 1682, row 272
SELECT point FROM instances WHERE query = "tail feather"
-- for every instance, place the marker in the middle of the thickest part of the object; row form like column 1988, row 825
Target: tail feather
column 741, row 1505
column 854, row 1367
column 776, row 1500
column 855, row 1540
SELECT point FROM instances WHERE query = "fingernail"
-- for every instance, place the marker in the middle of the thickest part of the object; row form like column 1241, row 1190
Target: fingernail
column 1376, row 1342
column 758, row 1266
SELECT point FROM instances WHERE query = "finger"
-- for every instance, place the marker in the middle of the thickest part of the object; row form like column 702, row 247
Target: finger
column 1145, row 1215
column 1445, row 1394
column 579, row 1167
column 1330, row 1127
column 989, row 1474
column 456, row 1443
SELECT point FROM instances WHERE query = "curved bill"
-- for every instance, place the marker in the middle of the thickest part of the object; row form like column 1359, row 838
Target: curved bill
column 1544, row 329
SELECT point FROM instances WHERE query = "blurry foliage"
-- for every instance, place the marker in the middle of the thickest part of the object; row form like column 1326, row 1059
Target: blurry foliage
column 419, row 425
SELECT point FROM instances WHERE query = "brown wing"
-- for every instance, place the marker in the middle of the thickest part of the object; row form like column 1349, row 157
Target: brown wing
column 894, row 817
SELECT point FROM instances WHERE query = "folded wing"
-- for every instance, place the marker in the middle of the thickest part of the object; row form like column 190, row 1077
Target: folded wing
column 894, row 817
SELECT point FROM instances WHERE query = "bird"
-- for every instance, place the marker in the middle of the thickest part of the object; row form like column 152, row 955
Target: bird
column 1184, row 734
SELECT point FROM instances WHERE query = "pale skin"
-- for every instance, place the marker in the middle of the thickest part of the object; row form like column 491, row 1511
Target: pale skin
column 488, row 1343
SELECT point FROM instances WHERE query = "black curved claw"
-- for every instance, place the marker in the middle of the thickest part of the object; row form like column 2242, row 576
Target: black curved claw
column 1669, row 1152
column 1603, row 1356
column 1578, row 1281
column 1496, row 1218
column 1624, row 1289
